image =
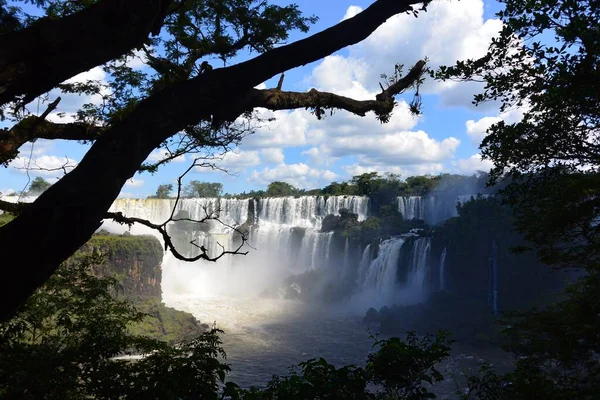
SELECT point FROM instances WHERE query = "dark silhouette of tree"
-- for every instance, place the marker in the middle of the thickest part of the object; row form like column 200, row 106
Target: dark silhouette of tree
column 183, row 97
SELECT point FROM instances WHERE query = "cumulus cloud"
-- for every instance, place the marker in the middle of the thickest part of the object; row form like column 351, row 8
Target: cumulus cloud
column 45, row 165
column 447, row 32
column 234, row 162
column 403, row 171
column 286, row 130
column 299, row 175
column 272, row 156
column 134, row 182
column 7, row 192
column 351, row 12
column 477, row 130
column 395, row 148
column 471, row 165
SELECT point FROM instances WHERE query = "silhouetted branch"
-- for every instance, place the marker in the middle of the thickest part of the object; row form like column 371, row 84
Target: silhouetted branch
column 382, row 106
column 162, row 227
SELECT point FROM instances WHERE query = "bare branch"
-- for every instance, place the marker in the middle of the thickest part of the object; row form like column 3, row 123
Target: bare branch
column 162, row 227
column 383, row 105
column 280, row 83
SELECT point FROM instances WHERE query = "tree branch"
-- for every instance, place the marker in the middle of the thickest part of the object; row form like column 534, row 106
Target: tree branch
column 50, row 51
column 32, row 128
column 66, row 215
column 275, row 99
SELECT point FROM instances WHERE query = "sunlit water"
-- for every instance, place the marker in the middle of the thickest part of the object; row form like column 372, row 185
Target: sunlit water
column 268, row 336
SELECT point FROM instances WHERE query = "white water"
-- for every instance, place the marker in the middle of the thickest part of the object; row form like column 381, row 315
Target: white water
column 419, row 271
column 411, row 207
column 382, row 273
column 432, row 209
column 443, row 270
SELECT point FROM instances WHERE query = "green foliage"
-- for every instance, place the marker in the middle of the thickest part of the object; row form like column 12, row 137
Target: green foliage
column 278, row 188
column 74, row 325
column 163, row 191
column 37, row 186
column 317, row 380
column 5, row 218
column 163, row 323
column 401, row 367
column 546, row 58
column 202, row 189
column 396, row 371
column 337, row 189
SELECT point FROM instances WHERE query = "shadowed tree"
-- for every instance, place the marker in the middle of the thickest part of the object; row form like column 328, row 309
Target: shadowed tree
column 181, row 102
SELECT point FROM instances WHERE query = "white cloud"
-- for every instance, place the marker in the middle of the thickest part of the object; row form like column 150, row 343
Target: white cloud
column 7, row 192
column 400, row 148
column 234, row 162
column 447, row 32
column 48, row 166
column 403, row 171
column 351, row 12
column 134, row 182
column 472, row 164
column 160, row 154
column 273, row 156
column 477, row 130
column 288, row 129
column 299, row 175
column 41, row 146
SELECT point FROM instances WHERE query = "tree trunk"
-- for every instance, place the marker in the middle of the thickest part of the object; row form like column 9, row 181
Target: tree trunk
column 50, row 51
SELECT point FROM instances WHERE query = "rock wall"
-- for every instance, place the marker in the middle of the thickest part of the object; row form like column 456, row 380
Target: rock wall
column 135, row 261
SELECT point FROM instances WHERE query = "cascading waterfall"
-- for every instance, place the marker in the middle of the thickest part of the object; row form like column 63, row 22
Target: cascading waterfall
column 381, row 275
column 493, row 270
column 363, row 267
column 432, row 209
column 419, row 270
column 285, row 237
column 346, row 266
column 443, row 270
column 411, row 207
column 309, row 211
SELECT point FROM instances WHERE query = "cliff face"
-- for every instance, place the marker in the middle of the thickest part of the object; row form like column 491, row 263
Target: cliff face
column 135, row 261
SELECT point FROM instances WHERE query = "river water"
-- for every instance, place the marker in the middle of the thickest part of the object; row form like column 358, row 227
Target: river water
column 266, row 336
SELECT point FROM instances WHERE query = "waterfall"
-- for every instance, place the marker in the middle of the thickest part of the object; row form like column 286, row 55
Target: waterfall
column 493, row 268
column 411, row 207
column 309, row 211
column 363, row 267
column 433, row 209
column 284, row 236
column 443, row 270
column 419, row 269
column 346, row 267
column 382, row 273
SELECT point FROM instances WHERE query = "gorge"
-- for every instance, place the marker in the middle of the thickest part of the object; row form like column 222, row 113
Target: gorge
column 311, row 274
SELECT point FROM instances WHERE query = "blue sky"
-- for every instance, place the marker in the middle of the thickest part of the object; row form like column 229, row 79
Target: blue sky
column 308, row 153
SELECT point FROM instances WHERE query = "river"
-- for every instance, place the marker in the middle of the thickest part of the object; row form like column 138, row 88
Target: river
column 265, row 336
